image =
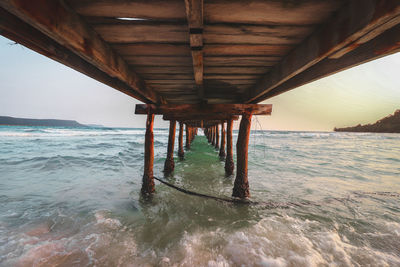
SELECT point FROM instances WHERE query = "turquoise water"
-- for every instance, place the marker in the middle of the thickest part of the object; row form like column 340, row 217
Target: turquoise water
column 70, row 197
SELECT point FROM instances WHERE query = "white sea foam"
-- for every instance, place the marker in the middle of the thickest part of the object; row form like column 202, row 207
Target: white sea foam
column 101, row 218
column 55, row 132
column 279, row 242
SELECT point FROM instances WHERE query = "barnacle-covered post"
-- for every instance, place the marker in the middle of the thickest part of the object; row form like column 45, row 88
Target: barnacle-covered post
column 181, row 153
column 169, row 161
column 241, row 186
column 222, row 147
column 217, row 136
column 229, row 164
column 148, row 179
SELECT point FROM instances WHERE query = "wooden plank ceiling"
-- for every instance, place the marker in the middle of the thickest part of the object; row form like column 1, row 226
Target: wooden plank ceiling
column 211, row 51
column 241, row 40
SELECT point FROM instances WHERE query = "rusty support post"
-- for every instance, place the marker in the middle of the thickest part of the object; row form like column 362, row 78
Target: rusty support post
column 229, row 164
column 181, row 153
column 169, row 161
column 241, row 186
column 187, row 137
column 148, row 179
column 217, row 136
column 222, row 147
column 213, row 136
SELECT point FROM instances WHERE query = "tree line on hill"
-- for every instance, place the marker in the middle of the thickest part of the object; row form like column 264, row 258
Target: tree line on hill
column 389, row 124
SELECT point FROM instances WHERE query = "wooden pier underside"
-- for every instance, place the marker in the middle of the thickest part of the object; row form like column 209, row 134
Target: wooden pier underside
column 204, row 63
column 194, row 51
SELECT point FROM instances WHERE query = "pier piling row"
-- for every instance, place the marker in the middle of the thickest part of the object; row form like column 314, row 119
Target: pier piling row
column 212, row 117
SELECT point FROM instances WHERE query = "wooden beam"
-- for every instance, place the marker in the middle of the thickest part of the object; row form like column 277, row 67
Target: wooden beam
column 59, row 22
column 204, row 109
column 144, row 9
column 184, row 117
column 357, row 22
column 194, row 13
column 143, row 32
column 17, row 30
column 199, row 123
column 269, row 12
column 385, row 44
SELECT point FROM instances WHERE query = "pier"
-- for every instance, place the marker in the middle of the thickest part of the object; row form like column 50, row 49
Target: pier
column 204, row 64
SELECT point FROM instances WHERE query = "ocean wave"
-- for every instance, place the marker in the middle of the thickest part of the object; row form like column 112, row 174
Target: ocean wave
column 283, row 241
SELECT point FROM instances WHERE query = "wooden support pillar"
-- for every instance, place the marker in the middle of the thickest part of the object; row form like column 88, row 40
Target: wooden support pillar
column 181, row 153
column 241, row 186
column 192, row 134
column 169, row 161
column 213, row 136
column 148, row 179
column 222, row 147
column 229, row 164
column 187, row 137
column 217, row 136
column 209, row 131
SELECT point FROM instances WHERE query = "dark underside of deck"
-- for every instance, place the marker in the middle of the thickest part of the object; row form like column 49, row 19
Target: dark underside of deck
column 195, row 51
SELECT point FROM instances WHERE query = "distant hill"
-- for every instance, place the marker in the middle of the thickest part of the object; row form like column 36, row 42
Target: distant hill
column 95, row 125
column 37, row 122
column 389, row 124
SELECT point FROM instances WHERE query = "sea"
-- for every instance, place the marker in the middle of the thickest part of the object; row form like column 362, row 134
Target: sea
column 71, row 197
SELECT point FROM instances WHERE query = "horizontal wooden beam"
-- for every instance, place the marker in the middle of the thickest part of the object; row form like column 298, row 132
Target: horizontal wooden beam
column 59, row 22
column 145, row 9
column 355, row 23
column 385, row 44
column 270, row 12
column 17, row 30
column 184, row 117
column 205, row 109
column 203, row 124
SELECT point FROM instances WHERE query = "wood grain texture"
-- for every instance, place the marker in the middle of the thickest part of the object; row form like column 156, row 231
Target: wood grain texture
column 229, row 164
column 63, row 25
column 158, row 61
column 186, row 117
column 240, row 61
column 152, row 49
column 245, row 50
column 222, row 153
column 169, row 164
column 161, row 33
column 148, row 179
column 241, row 185
column 17, row 30
column 156, row 10
column 194, row 14
column 270, row 11
column 230, row 109
column 255, row 34
column 235, row 70
column 385, row 44
column 181, row 152
column 354, row 20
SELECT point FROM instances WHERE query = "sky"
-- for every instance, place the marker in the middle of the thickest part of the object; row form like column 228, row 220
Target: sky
column 33, row 86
